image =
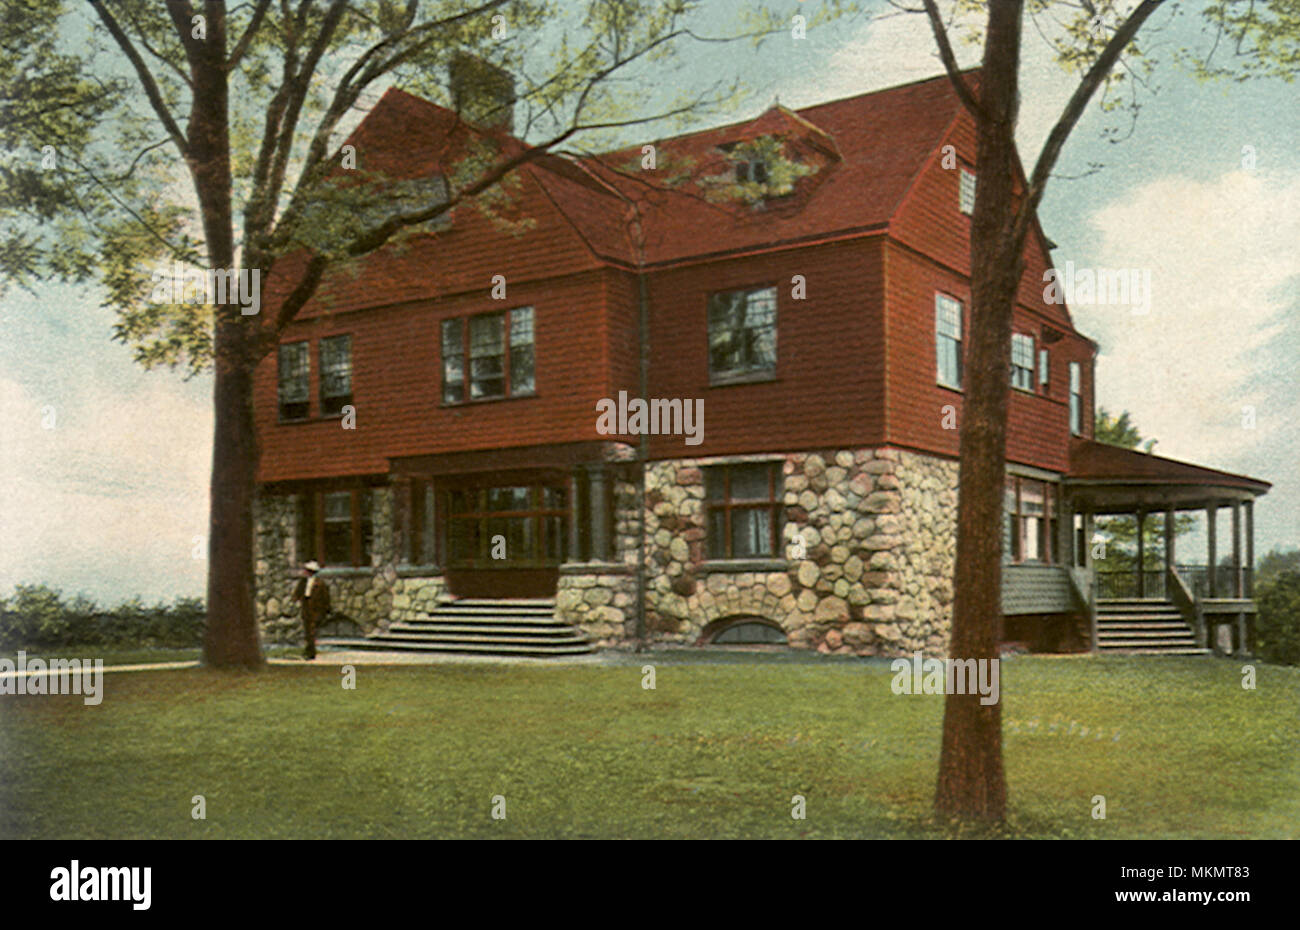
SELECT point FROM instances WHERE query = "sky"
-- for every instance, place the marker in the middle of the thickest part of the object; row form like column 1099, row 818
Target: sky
column 105, row 466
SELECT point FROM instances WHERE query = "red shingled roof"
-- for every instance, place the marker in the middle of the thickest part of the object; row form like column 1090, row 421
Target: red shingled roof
column 872, row 147
column 868, row 150
column 1098, row 461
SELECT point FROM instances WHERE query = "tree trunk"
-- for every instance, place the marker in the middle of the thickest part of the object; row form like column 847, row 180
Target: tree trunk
column 231, row 639
column 972, row 782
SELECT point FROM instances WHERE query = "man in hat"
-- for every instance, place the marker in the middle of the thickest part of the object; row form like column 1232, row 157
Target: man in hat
column 314, row 594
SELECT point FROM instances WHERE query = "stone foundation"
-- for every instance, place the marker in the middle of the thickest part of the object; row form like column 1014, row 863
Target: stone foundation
column 870, row 542
column 869, row 534
column 362, row 595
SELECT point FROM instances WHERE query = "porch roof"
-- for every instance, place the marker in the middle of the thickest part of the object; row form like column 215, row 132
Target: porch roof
column 1109, row 477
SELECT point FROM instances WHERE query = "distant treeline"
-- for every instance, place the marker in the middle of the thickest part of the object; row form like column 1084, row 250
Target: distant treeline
column 39, row 617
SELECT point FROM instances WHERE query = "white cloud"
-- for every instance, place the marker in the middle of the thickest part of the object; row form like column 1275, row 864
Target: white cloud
column 898, row 48
column 1223, row 266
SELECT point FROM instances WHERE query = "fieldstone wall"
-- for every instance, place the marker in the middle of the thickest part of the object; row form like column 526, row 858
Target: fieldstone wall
column 870, row 542
column 599, row 598
column 415, row 596
column 275, row 519
column 363, row 595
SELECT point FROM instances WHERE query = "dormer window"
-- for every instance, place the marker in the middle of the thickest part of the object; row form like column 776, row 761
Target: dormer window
column 753, row 169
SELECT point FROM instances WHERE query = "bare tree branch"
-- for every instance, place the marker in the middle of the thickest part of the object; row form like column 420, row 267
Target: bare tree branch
column 958, row 80
column 146, row 79
column 241, row 46
column 1073, row 110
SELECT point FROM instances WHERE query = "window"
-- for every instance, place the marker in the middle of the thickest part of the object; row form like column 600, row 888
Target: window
column 1076, row 400
column 532, row 519
column 453, row 361
column 749, row 633
column 947, row 340
column 742, row 333
column 423, row 524
column 334, row 527
column 295, row 371
column 1031, row 515
column 1022, row 361
column 755, row 169
column 743, row 514
column 335, row 374
column 966, row 192
column 499, row 347
column 1044, row 368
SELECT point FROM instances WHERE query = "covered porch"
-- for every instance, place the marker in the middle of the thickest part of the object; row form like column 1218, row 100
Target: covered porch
column 1212, row 593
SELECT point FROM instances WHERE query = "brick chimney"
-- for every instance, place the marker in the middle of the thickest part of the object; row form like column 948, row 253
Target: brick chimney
column 481, row 92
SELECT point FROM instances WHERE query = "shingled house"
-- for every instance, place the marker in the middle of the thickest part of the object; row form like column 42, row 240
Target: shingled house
column 451, row 427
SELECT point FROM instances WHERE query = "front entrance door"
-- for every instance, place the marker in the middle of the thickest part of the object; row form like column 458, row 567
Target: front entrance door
column 505, row 540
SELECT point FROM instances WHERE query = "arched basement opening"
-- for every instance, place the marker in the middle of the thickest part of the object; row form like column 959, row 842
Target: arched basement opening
column 743, row 631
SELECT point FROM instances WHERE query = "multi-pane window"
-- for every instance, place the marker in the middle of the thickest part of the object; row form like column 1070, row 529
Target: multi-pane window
column 453, row 361
column 966, row 192
column 1076, row 399
column 527, row 524
column 499, row 350
column 742, row 333
column 334, row 527
column 1031, row 515
column 947, row 340
column 743, row 510
column 1044, row 368
column 1022, row 361
column 423, row 524
column 295, row 373
column 335, row 374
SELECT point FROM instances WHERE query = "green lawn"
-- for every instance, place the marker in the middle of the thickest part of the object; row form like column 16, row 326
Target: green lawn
column 717, row 750
column 138, row 655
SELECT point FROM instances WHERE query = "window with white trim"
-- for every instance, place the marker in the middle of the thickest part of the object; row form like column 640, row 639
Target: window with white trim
column 947, row 340
column 742, row 334
column 1076, row 399
column 294, row 380
column 1022, row 361
column 1044, row 368
column 335, row 374
column 499, row 349
column 966, row 192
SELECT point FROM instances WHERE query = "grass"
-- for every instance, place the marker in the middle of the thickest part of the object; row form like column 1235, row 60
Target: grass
column 128, row 655
column 716, row 750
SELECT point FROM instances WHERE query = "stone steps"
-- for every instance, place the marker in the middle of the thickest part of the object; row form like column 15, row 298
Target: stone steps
column 480, row 625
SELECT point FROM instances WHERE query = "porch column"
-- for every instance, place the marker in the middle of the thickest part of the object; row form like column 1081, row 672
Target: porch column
column 575, row 553
column 1170, row 560
column 402, row 518
column 599, row 514
column 1250, row 548
column 1236, row 549
column 1141, row 517
column 1212, row 546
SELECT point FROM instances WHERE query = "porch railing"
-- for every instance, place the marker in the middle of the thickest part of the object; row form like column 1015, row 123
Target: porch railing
column 1124, row 582
column 1197, row 578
